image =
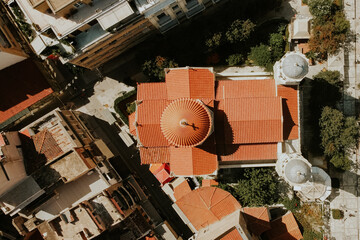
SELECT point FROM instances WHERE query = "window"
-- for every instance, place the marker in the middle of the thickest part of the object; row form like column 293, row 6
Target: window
column 175, row 7
column 162, row 15
column 76, row 32
column 78, row 4
column 93, row 22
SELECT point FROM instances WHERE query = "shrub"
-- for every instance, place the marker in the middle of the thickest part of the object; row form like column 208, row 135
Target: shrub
column 154, row 69
column 235, row 59
column 291, row 204
column 276, row 42
column 320, row 8
column 337, row 214
column 257, row 187
column 261, row 56
column 239, row 30
column 118, row 101
column 214, row 41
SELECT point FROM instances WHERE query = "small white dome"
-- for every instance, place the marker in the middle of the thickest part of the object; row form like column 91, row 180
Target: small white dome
column 295, row 66
column 297, row 171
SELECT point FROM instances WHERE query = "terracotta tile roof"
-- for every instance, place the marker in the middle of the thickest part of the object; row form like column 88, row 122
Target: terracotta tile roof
column 290, row 111
column 26, row 132
column 25, row 85
column 253, row 120
column 186, row 122
column 233, row 234
column 190, row 83
column 181, row 190
column 257, row 219
column 207, row 205
column 245, row 89
column 192, row 161
column 243, row 152
column 132, row 128
column 154, row 155
column 148, row 123
column 161, row 172
column 45, row 144
column 209, row 183
column 2, row 141
column 151, row 91
column 284, row 228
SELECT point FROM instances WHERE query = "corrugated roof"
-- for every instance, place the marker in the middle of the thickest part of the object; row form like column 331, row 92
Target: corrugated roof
column 252, row 120
column 233, row 234
column 257, row 219
column 284, row 228
column 192, row 161
column 154, row 155
column 207, row 205
column 241, row 152
column 245, row 89
column 190, row 83
column 45, row 144
column 151, row 91
column 290, row 100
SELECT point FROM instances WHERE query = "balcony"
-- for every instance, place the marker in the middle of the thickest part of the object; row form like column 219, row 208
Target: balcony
column 94, row 33
column 194, row 7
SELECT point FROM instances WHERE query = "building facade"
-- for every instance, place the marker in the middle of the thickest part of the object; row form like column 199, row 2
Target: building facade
column 90, row 33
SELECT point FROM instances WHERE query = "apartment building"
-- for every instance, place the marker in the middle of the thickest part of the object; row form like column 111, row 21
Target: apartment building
column 89, row 33
column 11, row 51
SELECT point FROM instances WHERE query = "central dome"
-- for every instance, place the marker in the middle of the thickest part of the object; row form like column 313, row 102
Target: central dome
column 186, row 122
column 295, row 66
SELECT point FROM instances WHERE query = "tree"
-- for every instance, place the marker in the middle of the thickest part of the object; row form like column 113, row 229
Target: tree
column 331, row 77
column 257, row 187
column 239, row 30
column 328, row 36
column 215, row 40
column 339, row 135
column 320, row 8
column 276, row 42
column 154, row 69
column 261, row 56
column 235, row 59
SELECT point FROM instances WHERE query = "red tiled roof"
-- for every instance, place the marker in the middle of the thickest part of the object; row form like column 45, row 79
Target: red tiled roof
column 181, row 190
column 245, row 89
column 257, row 219
column 242, row 152
column 186, row 122
column 207, row 205
column 192, row 161
column 209, row 183
column 253, row 120
column 148, row 123
column 190, row 83
column 154, row 155
column 233, row 234
column 161, row 172
column 46, row 144
column 289, row 96
column 284, row 228
column 132, row 128
column 151, row 91
column 23, row 85
column 26, row 132
column 2, row 141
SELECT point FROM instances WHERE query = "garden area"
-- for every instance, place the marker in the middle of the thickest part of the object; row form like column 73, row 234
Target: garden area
column 125, row 105
column 230, row 34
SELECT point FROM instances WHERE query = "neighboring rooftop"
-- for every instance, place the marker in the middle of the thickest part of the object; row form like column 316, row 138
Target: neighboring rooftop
column 284, row 228
column 21, row 92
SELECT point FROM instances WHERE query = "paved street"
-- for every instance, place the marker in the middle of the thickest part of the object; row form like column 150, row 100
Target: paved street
column 346, row 197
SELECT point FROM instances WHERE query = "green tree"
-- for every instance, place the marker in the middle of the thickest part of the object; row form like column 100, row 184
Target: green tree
column 215, row 40
column 239, row 30
column 257, row 187
column 154, row 69
column 331, row 77
column 235, row 59
column 261, row 56
column 320, row 8
column 339, row 135
column 276, row 42
column 330, row 35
